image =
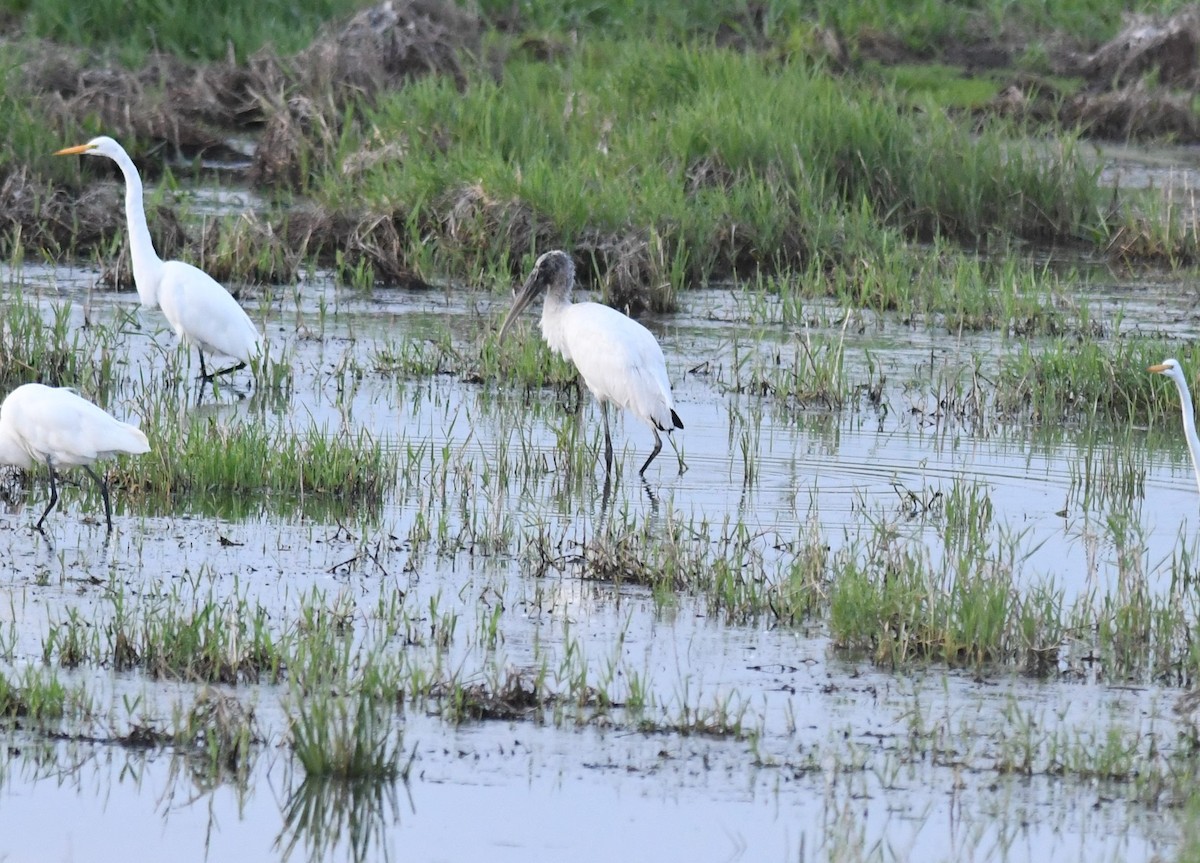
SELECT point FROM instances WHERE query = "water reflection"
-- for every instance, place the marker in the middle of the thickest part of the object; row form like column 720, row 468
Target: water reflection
column 339, row 819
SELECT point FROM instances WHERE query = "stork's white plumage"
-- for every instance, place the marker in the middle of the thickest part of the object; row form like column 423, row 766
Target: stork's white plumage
column 57, row 428
column 197, row 307
column 620, row 360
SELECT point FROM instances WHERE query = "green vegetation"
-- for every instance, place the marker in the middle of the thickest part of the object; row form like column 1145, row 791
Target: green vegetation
column 411, row 524
column 762, row 165
column 190, row 30
column 246, row 463
column 741, row 151
column 345, row 738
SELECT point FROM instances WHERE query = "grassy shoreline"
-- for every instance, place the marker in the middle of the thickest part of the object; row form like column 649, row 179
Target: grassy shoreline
column 716, row 147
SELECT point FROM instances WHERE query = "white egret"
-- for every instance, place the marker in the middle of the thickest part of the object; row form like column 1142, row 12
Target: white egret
column 56, row 427
column 620, row 360
column 1174, row 371
column 197, row 307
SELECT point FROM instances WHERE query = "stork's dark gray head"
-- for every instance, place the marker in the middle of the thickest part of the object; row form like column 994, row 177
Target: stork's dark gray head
column 553, row 272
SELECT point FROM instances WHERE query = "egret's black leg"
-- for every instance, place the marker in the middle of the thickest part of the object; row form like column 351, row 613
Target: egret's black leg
column 103, row 495
column 226, row 371
column 204, row 375
column 654, row 452
column 607, row 440
column 53, row 497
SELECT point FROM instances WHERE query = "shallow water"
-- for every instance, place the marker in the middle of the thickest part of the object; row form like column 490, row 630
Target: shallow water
column 837, row 758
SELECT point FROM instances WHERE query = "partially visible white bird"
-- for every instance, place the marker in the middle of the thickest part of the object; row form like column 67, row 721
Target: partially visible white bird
column 1174, row 371
column 56, row 427
column 620, row 360
column 197, row 307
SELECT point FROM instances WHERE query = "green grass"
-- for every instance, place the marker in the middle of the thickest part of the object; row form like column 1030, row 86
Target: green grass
column 190, row 29
column 34, row 696
column 1074, row 381
column 243, row 466
column 346, row 737
column 201, row 638
column 50, row 349
column 734, row 161
column 934, row 85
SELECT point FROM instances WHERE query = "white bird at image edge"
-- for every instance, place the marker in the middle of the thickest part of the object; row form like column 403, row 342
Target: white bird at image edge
column 57, row 428
column 1174, row 371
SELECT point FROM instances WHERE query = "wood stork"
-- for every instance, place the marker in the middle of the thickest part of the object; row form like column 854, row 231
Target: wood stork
column 620, row 360
column 56, row 427
column 197, row 307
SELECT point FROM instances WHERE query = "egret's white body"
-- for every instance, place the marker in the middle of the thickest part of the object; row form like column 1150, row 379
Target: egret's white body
column 1174, row 371
column 57, row 428
column 620, row 360
column 197, row 307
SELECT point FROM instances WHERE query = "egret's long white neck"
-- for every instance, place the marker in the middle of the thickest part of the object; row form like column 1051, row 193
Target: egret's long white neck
column 1189, row 423
column 147, row 266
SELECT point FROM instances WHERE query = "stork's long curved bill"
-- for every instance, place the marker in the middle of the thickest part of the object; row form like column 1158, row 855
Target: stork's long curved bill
column 525, row 296
column 74, row 151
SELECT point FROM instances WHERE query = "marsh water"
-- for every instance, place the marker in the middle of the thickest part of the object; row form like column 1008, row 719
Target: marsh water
column 832, row 757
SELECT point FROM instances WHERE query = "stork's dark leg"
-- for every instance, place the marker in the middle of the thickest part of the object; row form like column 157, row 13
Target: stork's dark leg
column 654, row 452
column 103, row 495
column 204, row 375
column 607, row 440
column 53, row 497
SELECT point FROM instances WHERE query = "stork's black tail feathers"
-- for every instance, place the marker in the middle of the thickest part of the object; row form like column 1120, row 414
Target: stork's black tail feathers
column 678, row 423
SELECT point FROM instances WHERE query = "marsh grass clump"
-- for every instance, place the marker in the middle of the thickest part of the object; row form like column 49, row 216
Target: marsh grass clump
column 225, row 641
column 1078, row 381
column 350, row 736
column 218, row 733
column 893, row 599
column 52, row 350
column 725, row 192
column 901, row 613
column 740, row 573
column 35, row 696
column 189, row 30
column 527, row 361
column 808, row 372
column 198, row 638
column 517, row 696
column 252, row 463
